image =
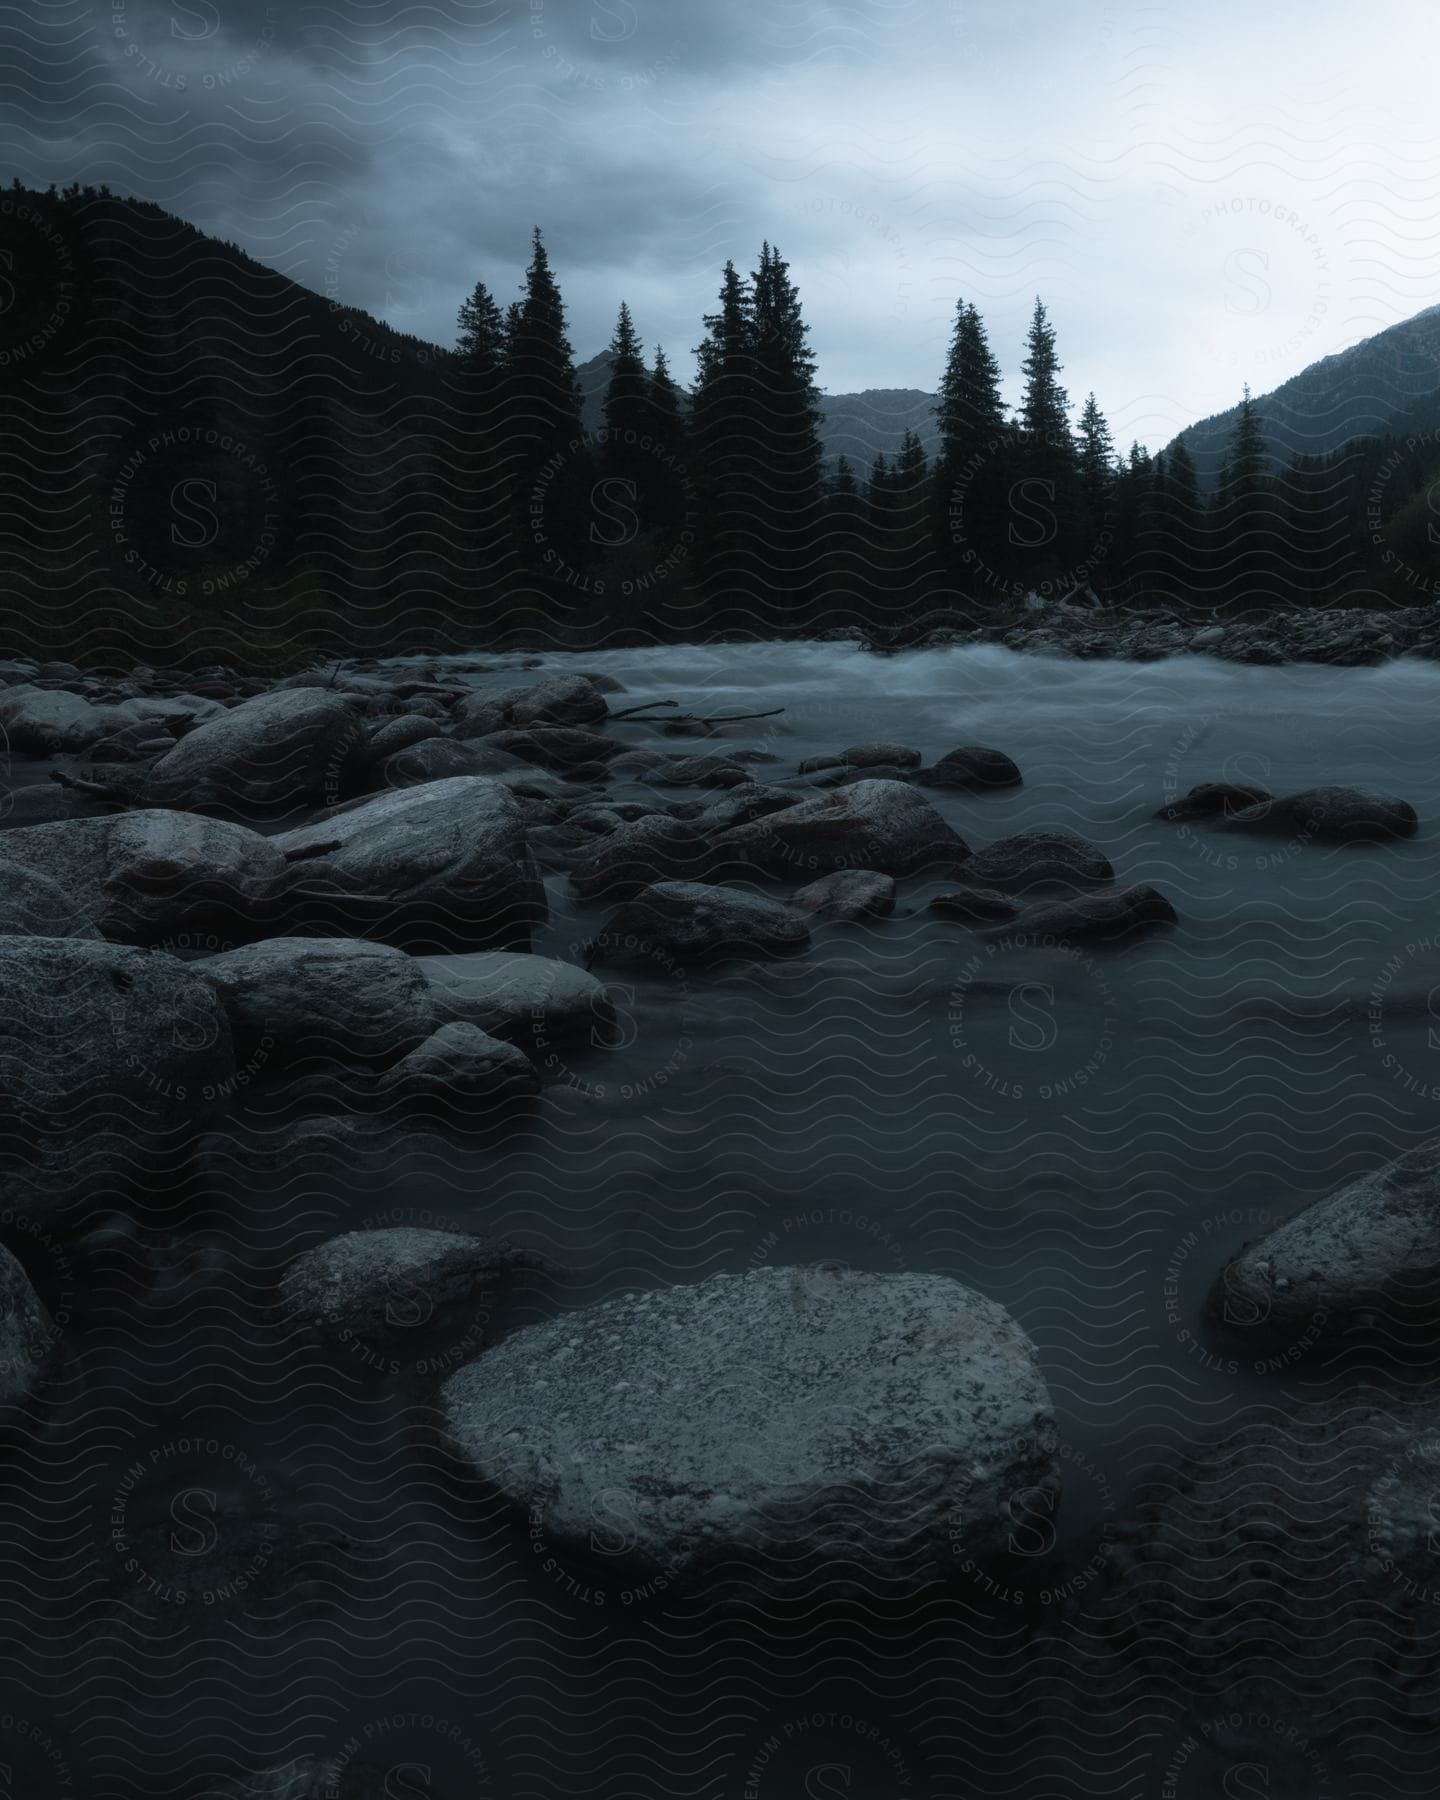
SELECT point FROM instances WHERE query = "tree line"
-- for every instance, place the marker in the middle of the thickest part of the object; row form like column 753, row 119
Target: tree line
column 200, row 458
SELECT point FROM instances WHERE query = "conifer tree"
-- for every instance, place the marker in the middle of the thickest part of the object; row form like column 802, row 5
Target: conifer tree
column 1045, row 406
column 786, row 443
column 972, row 470
column 480, row 346
column 722, row 424
column 628, row 396
column 1044, row 497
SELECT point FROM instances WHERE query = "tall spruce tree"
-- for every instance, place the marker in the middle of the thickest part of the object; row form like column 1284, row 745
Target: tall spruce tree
column 480, row 346
column 673, row 480
column 972, row 468
column 786, row 443
column 722, row 425
column 1045, row 500
column 1097, row 484
column 627, row 454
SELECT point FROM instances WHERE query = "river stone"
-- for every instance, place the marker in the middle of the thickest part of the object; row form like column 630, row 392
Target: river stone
column 1371, row 1247
column 341, row 1000
column 528, row 1000
column 688, row 919
column 882, row 825
column 28, row 1339
column 442, row 866
column 738, row 807
column 975, row 906
column 1338, row 814
column 32, row 905
column 556, row 747
column 668, row 768
column 1104, row 917
column 276, row 753
column 459, row 1070
column 564, row 700
column 864, row 756
column 49, row 721
column 973, row 769
column 145, row 876
column 1215, row 799
column 382, row 1286
column 1039, row 859
column 393, row 735
column 641, row 851
column 436, row 759
column 109, row 1055
column 848, row 894
column 874, row 1419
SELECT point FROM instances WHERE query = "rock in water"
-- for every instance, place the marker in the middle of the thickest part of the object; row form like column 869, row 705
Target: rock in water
column 1337, row 814
column 564, row 700
column 878, row 1420
column 147, row 876
column 49, row 721
column 1215, row 799
column 439, row 867
column 459, row 1074
column 523, row 999
column 276, row 753
column 848, row 894
column 882, row 825
column 975, row 906
column 1040, row 859
column 639, row 851
column 689, row 919
column 1372, row 1246
column 28, row 1339
column 109, row 1058
column 339, row 1000
column 383, row 1286
column 973, row 769
column 1098, row 918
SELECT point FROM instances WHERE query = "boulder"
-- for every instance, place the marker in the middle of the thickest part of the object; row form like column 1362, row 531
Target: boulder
column 1039, row 859
column 864, row 756
column 276, row 753
column 523, row 999
column 336, row 1000
column 32, row 905
column 388, row 1285
column 639, row 852
column 443, row 866
column 145, row 876
column 394, row 735
column 438, row 758
column 28, row 1339
column 973, row 769
column 1370, row 1250
column 554, row 746
column 848, row 894
column 882, row 825
column 110, row 1058
column 1104, row 918
column 459, row 1072
column 1213, row 800
column 687, row 919
column 50, row 722
column 1334, row 814
column 975, row 906
column 666, row 768
column 738, row 807
column 874, row 1419
column 564, row 700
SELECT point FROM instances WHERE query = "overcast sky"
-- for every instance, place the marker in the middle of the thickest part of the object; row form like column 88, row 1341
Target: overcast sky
column 1202, row 195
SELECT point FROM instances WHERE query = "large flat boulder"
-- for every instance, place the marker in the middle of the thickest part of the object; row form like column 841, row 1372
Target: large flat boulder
column 883, row 825
column 1331, row 814
column 50, row 721
column 110, row 1058
column 144, row 876
column 32, row 905
column 443, row 866
column 687, row 919
column 1037, row 859
column 340, row 1001
column 875, row 1420
column 524, row 999
column 279, row 752
column 1107, row 917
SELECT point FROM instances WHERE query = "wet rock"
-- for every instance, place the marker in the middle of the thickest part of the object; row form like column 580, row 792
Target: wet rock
column 876, row 1420
column 46, row 722
column 1107, row 917
column 1039, row 859
column 28, row 1339
column 655, row 848
column 459, row 1072
column 975, row 906
column 292, row 1001
column 1370, row 1250
column 688, row 919
column 741, row 805
column 106, row 1052
column 329, row 1778
column 32, row 905
column 848, row 894
column 706, row 769
column 380, row 1287
column 973, row 769
column 565, row 700
column 439, row 867
column 278, row 752
column 882, row 825
column 864, row 756
column 438, row 758
column 1215, row 799
column 145, row 876
column 563, row 749
column 1336, row 814
column 523, row 999
column 397, row 734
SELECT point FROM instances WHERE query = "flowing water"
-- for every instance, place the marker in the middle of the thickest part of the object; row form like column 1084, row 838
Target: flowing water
column 1083, row 1135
